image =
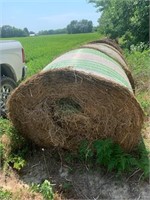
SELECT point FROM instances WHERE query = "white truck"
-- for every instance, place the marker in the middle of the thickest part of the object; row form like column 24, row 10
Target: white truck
column 12, row 69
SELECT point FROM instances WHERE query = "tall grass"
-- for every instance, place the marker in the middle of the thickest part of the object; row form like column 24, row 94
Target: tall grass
column 140, row 67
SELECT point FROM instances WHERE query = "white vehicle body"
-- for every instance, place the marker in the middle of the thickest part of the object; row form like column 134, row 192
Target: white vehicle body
column 12, row 59
column 12, row 69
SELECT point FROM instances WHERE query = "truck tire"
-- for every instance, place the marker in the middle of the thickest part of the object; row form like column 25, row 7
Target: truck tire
column 7, row 85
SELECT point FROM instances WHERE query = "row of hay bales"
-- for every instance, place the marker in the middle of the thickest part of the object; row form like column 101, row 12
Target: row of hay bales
column 86, row 93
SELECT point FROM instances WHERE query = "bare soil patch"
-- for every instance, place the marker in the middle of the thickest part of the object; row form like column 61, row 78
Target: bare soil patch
column 78, row 181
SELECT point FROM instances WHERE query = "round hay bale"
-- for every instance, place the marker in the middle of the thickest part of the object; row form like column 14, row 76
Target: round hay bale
column 111, row 49
column 83, row 94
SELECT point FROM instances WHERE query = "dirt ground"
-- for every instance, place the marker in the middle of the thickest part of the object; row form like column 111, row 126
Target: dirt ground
column 78, row 181
column 75, row 181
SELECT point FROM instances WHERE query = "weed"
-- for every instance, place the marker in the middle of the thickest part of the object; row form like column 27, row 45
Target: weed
column 8, row 129
column 13, row 146
column 144, row 99
column 5, row 126
column 140, row 47
column 85, row 151
column 17, row 162
column 111, row 155
column 45, row 189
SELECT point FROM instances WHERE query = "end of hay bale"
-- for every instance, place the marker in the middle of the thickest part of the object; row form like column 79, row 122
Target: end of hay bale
column 62, row 107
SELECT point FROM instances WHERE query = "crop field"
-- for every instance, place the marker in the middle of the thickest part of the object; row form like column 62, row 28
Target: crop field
column 40, row 51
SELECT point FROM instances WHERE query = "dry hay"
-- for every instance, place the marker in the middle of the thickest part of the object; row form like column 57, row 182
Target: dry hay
column 62, row 107
column 112, row 49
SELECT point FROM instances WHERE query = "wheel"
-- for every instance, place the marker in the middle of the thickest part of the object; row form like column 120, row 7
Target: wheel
column 7, row 85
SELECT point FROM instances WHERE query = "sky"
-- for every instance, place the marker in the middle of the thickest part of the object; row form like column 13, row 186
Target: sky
column 39, row 15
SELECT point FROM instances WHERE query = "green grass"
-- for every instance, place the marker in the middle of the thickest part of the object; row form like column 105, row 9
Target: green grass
column 45, row 189
column 13, row 146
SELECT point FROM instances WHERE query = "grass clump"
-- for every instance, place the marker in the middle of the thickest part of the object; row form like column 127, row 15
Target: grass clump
column 5, row 194
column 110, row 155
column 45, row 189
column 13, row 147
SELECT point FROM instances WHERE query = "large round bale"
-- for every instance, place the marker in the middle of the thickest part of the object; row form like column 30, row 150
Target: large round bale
column 85, row 94
column 108, row 47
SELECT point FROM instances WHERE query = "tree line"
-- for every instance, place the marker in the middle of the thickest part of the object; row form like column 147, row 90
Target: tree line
column 52, row 32
column 125, row 19
column 83, row 26
column 7, row 31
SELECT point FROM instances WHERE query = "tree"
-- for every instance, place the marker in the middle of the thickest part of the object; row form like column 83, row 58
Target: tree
column 26, row 31
column 9, row 31
column 128, row 19
column 6, row 31
column 101, row 4
column 83, row 26
column 31, row 32
column 73, row 27
column 51, row 31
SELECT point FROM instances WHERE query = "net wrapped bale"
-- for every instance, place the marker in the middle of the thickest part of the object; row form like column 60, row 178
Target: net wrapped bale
column 85, row 94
